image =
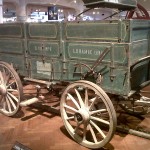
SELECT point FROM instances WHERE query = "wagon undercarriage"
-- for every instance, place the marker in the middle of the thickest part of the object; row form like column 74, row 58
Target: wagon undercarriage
column 88, row 113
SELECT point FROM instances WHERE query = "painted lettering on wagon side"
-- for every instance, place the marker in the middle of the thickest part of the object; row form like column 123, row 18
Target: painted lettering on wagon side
column 86, row 51
column 40, row 48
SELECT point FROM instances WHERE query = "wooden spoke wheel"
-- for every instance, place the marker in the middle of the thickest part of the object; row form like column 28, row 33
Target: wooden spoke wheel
column 88, row 114
column 139, row 13
column 11, row 90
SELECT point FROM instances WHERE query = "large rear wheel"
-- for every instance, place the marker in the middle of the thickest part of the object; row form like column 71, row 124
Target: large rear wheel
column 11, row 91
column 88, row 114
column 139, row 13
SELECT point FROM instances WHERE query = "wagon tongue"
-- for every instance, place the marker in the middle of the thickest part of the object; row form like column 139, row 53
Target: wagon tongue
column 119, row 4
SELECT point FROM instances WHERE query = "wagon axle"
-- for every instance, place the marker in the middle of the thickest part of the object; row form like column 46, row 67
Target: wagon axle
column 31, row 101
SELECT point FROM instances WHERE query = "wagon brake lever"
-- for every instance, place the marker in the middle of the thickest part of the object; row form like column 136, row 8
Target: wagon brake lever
column 100, row 58
column 97, row 62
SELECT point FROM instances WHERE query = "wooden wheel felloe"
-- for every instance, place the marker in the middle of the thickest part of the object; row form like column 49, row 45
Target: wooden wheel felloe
column 11, row 90
column 86, row 111
column 139, row 13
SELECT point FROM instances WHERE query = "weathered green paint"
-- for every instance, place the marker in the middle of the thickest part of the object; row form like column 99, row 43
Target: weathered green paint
column 17, row 46
column 11, row 30
column 120, row 31
column 93, row 31
column 44, row 31
column 51, row 51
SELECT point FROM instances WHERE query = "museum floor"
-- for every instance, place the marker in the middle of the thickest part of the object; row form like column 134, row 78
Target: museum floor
column 39, row 129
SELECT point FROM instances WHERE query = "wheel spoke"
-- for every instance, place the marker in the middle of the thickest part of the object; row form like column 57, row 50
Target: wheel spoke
column 138, row 14
column 84, row 131
column 12, row 96
column 11, row 101
column 98, row 111
column 73, row 100
column 70, row 108
column 100, row 120
column 93, row 101
column 86, row 98
column 4, row 74
column 10, row 84
column 93, row 134
column 70, row 118
column 77, row 127
column 80, row 99
column 8, row 104
column 1, row 78
column 12, row 90
column 1, row 98
column 98, row 129
column 7, row 78
column 4, row 103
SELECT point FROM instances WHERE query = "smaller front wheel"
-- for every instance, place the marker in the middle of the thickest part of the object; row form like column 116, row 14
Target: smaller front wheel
column 11, row 90
column 88, row 114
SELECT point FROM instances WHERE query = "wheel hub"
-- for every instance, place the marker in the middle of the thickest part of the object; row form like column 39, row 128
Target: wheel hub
column 3, row 90
column 82, row 116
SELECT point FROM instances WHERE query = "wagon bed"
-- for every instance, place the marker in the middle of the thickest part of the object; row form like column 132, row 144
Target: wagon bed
column 51, row 51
